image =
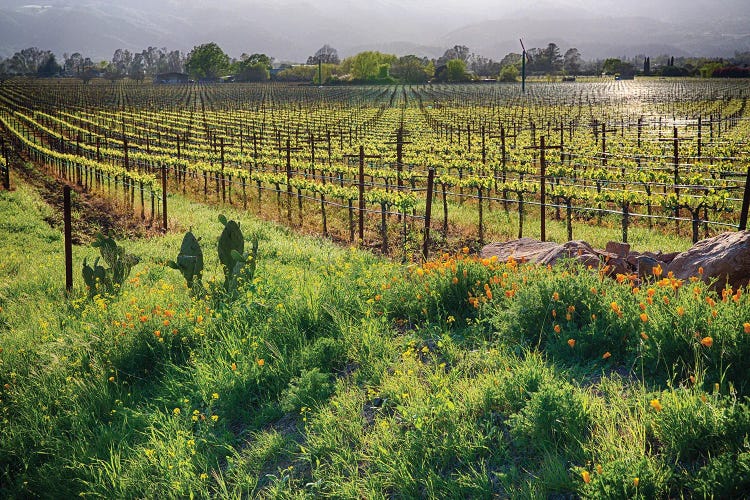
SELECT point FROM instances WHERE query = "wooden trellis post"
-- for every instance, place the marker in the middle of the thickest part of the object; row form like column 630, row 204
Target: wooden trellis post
column 288, row 149
column 361, row 186
column 543, row 183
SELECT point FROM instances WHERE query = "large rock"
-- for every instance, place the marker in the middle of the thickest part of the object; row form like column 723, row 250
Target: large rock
column 725, row 257
column 578, row 250
column 544, row 252
column 522, row 250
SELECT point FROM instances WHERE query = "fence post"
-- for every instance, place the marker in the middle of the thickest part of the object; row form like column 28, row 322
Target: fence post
column 361, row 194
column 68, row 240
column 543, row 189
column 428, row 212
column 6, row 173
column 745, row 203
column 164, row 197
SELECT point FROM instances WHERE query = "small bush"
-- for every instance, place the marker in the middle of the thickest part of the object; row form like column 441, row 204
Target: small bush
column 326, row 354
column 307, row 390
column 554, row 418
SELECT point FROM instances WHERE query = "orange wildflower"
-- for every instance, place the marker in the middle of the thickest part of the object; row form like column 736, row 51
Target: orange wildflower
column 746, row 327
column 707, row 341
column 656, row 405
column 557, row 329
column 586, row 476
column 572, row 343
column 606, row 355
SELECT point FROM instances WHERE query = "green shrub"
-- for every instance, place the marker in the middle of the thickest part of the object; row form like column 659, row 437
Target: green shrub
column 307, row 390
column 553, row 419
column 326, row 354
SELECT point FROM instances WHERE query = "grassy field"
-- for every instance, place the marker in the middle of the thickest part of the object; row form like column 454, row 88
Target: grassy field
column 334, row 373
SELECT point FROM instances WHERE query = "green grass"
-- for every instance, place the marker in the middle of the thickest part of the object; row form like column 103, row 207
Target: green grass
column 338, row 374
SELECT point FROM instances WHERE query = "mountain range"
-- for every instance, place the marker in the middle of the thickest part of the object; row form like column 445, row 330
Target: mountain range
column 291, row 30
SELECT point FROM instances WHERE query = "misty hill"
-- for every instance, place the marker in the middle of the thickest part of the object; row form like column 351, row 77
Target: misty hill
column 601, row 37
column 293, row 29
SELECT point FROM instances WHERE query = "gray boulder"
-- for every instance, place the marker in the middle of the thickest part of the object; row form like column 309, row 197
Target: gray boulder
column 725, row 257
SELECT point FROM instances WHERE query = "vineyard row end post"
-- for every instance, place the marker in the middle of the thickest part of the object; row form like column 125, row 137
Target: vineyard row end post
column 428, row 212
column 68, row 238
column 745, row 203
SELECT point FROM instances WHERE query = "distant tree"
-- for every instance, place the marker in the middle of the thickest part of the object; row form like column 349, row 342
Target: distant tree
column 547, row 60
column 27, row 61
column 137, row 68
column 572, row 61
column 412, row 69
column 252, row 60
column 253, row 68
column 611, row 66
column 49, row 68
column 483, row 66
column 456, row 71
column 299, row 74
column 367, row 65
column 460, row 52
column 708, row 68
column 731, row 72
column 509, row 73
column 120, row 64
column 73, row 63
column 207, row 61
column 741, row 58
column 174, row 62
column 326, row 55
column 512, row 58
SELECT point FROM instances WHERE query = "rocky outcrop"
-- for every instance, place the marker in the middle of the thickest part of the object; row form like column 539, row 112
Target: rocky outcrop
column 723, row 259
column 522, row 250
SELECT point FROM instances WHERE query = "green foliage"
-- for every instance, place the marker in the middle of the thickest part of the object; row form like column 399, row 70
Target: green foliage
column 509, row 73
column 207, row 61
column 100, row 280
column 412, row 69
column 253, row 68
column 326, row 354
column 690, row 428
column 456, row 71
column 308, row 390
column 551, row 420
column 369, row 65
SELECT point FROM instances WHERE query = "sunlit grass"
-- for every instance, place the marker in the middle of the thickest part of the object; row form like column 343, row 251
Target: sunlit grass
column 335, row 373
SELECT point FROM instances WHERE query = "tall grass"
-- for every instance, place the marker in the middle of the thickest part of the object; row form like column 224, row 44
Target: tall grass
column 337, row 374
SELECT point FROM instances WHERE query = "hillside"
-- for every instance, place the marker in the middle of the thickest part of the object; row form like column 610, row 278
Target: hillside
column 293, row 30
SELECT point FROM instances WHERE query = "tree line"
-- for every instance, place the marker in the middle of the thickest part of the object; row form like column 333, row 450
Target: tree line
column 209, row 62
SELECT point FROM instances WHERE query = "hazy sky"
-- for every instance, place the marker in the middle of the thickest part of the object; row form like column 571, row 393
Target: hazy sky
column 294, row 29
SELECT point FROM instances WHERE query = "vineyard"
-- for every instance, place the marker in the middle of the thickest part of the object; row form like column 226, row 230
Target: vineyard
column 355, row 163
column 274, row 291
